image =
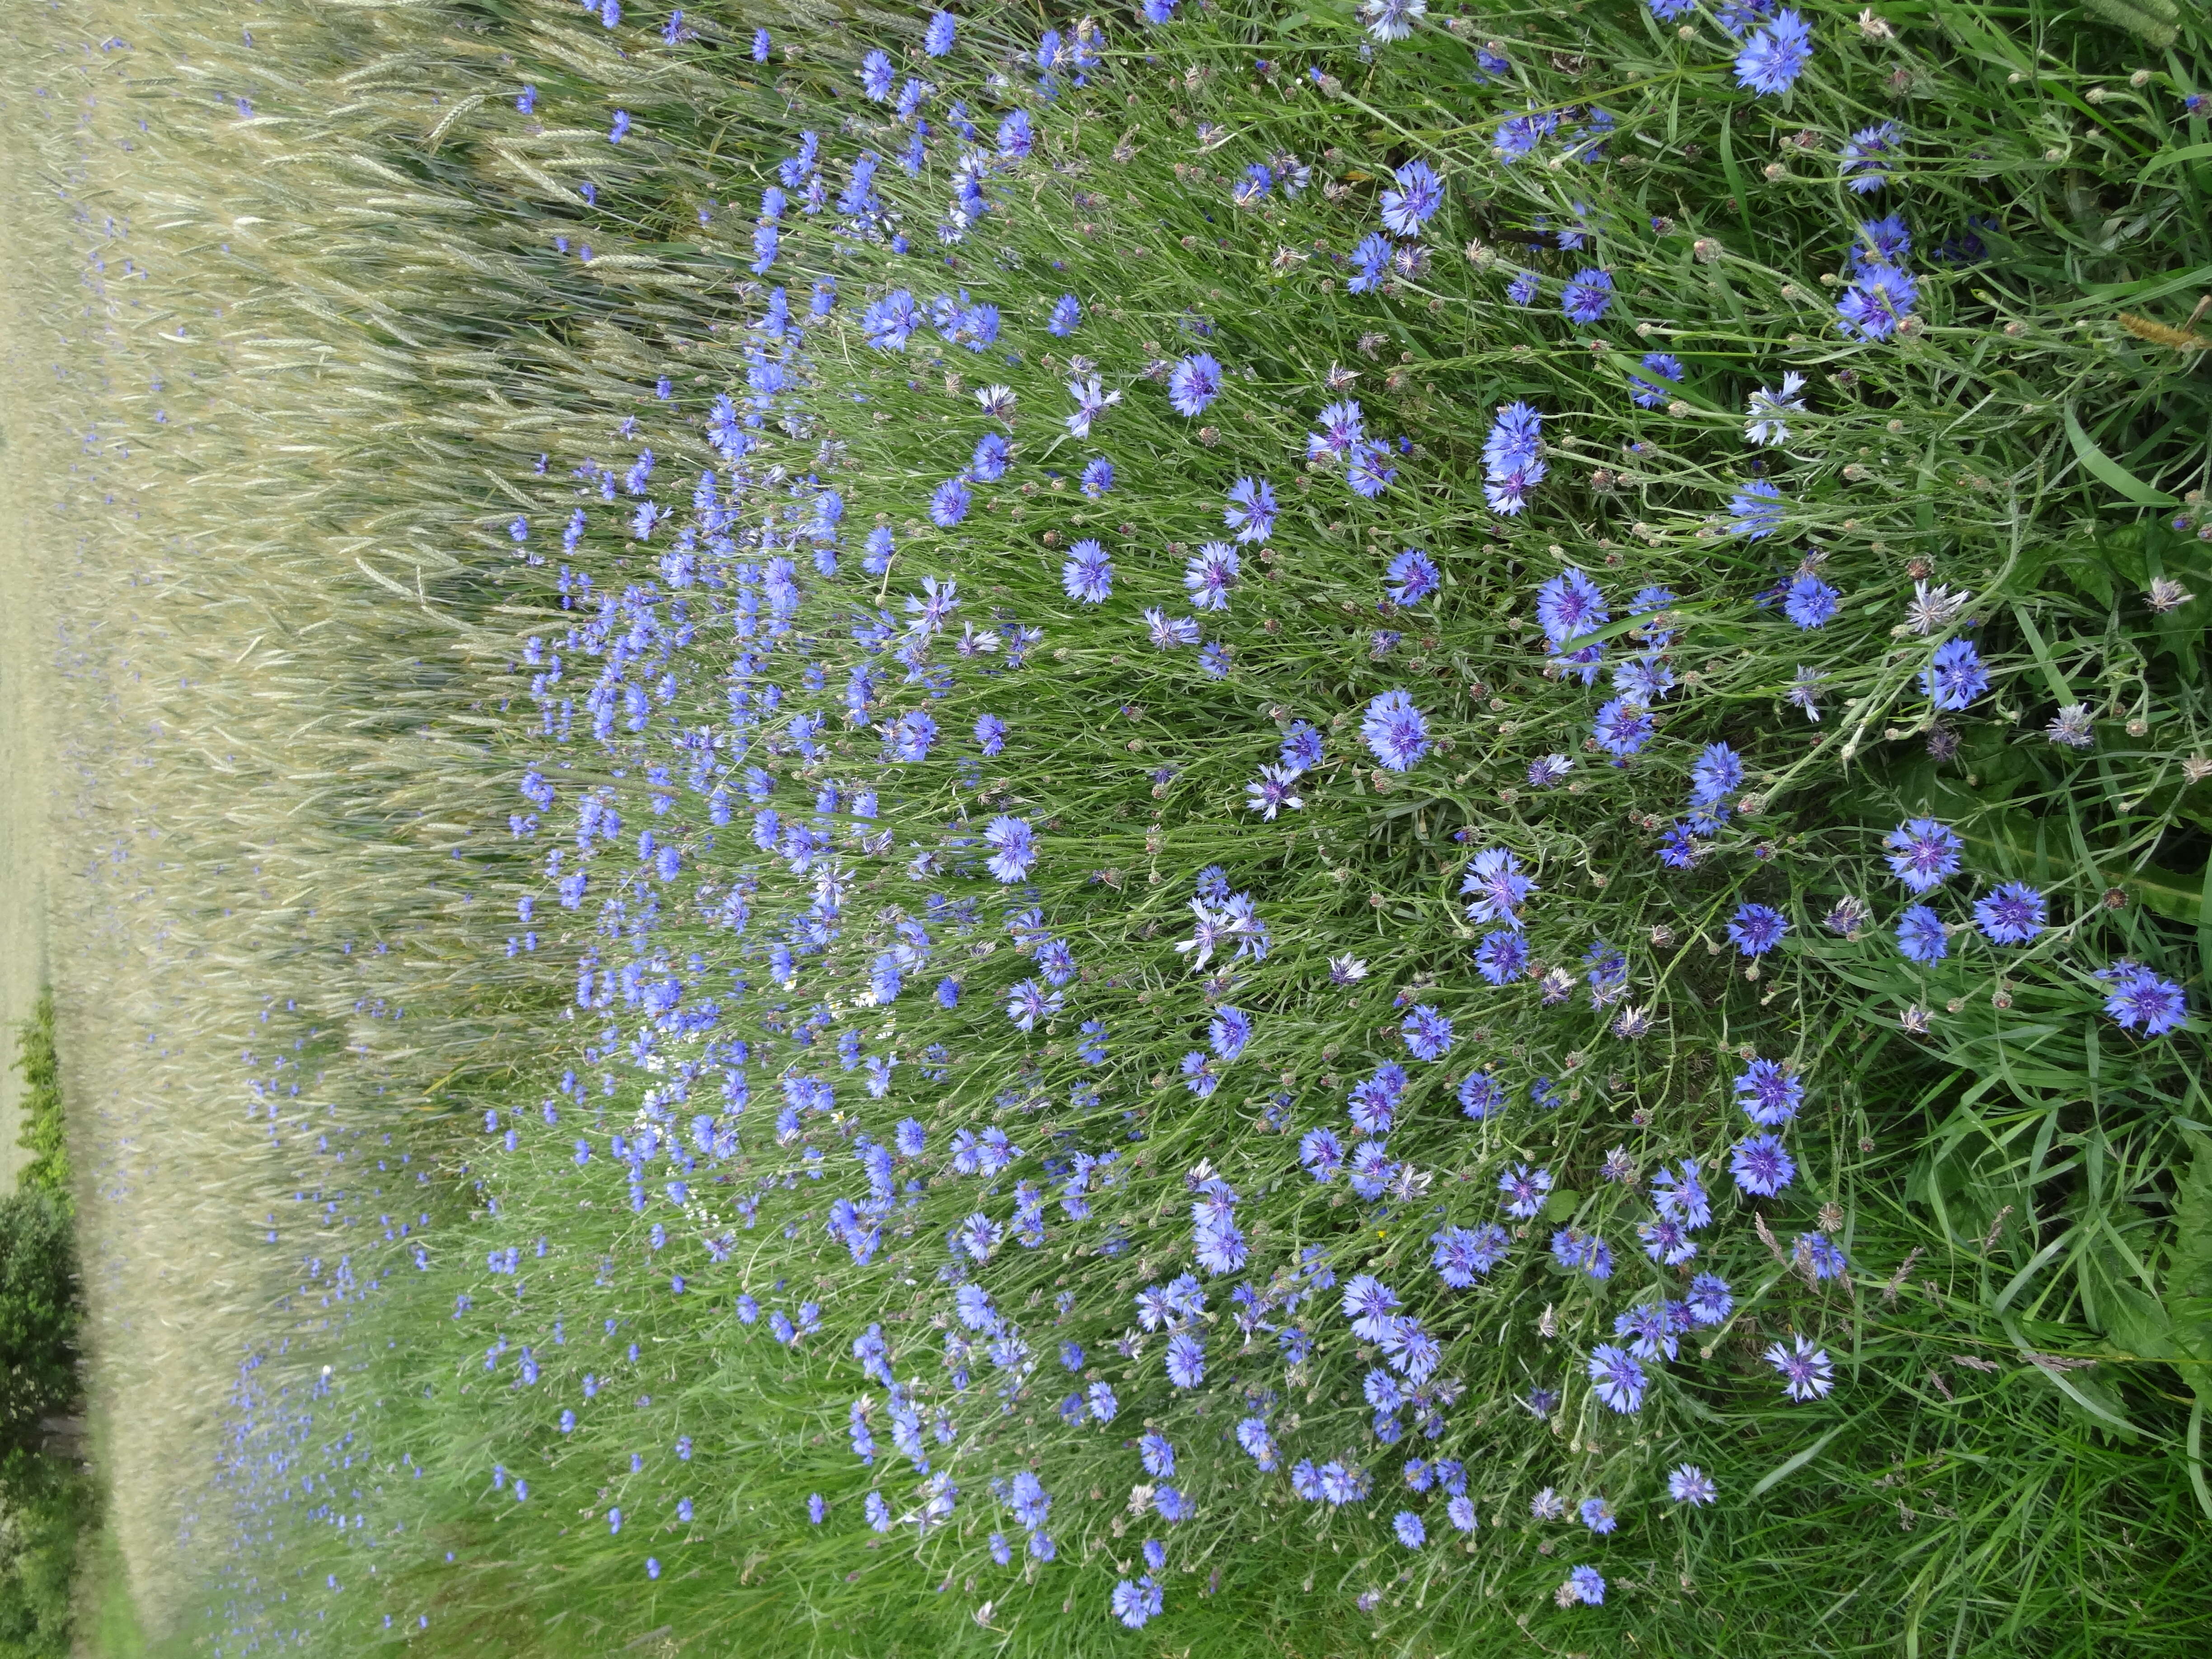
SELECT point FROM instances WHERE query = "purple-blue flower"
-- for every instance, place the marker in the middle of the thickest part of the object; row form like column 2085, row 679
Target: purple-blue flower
column 2011, row 914
column 1411, row 577
column 1808, row 601
column 1761, row 1165
column 1419, row 194
column 1757, row 929
column 1773, row 59
column 1586, row 296
column 1954, row 676
column 1087, row 575
column 2141, row 999
column 1395, row 732
column 1920, row 934
column 1757, row 510
column 1194, row 383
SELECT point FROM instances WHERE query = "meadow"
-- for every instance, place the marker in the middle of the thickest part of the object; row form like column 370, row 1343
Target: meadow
column 1222, row 828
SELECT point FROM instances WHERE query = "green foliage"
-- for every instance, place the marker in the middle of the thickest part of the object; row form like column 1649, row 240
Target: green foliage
column 39, row 1312
column 46, row 1506
column 2013, row 1466
column 43, row 1133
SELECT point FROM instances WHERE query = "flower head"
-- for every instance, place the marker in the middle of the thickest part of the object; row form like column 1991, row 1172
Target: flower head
column 1773, row 59
column 1395, row 732
column 1194, row 383
column 1806, row 1370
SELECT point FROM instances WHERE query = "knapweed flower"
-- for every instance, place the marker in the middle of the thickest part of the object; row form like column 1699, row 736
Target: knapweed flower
column 1251, row 509
column 1757, row 510
column 1617, row 1380
column 1087, row 575
column 1954, row 676
column 1413, row 577
column 1807, row 1373
column 1014, row 847
column 1194, row 383
column 1773, row 59
column 1586, row 296
column 1688, row 1483
column 1761, row 1165
column 2011, row 914
column 2141, row 1001
column 1665, row 370
column 1395, row 732
column 1763, row 424
column 1417, row 197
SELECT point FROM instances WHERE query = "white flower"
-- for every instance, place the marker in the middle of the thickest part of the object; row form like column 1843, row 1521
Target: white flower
column 1391, row 20
column 1767, row 408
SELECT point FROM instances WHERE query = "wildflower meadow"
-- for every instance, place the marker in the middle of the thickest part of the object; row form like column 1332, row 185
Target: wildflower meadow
column 1208, row 827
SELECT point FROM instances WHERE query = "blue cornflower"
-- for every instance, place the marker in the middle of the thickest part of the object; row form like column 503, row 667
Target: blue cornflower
column 620, row 129
column 1757, row 929
column 1229, row 1030
column 1549, row 771
column 1367, row 469
column 912, row 736
column 1413, row 577
column 949, row 503
column 990, row 734
column 1428, row 1033
column 1419, row 194
column 1922, row 853
column 1302, row 747
column 1501, row 957
column 1710, row 1301
column 1769, row 1095
column 1760, row 1165
column 1597, row 1515
column 1758, row 508
column 1807, row 1373
column 1066, row 312
column 2140, row 999
column 1251, row 509
column 1087, row 575
column 1920, row 934
column 2011, row 914
column 1321, row 1153
column 1808, row 601
column 937, row 38
column 1688, row 1483
column 1884, row 242
column 1185, row 1360
column 1772, row 59
column 1525, row 1189
column 988, row 464
column 1194, row 383
column 1395, row 732
column 1584, row 1584
column 1570, row 604
column 1622, row 728
column 1662, row 366
column 1462, row 1255
column 1098, row 477
column 1257, row 181
column 1411, row 1533
column 1016, row 136
column 1209, row 574
column 1014, row 847
column 1523, row 289
column 1495, row 887
column 1879, row 298
column 1864, row 162
column 1480, row 1093
column 876, row 75
column 1618, row 1381
column 1954, row 676
column 1717, row 774
column 1372, row 258
column 1586, row 296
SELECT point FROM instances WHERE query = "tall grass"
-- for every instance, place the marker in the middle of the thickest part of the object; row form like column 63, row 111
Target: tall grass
column 365, row 335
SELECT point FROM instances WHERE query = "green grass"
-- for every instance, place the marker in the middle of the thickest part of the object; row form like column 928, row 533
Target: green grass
column 2011, row 1462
